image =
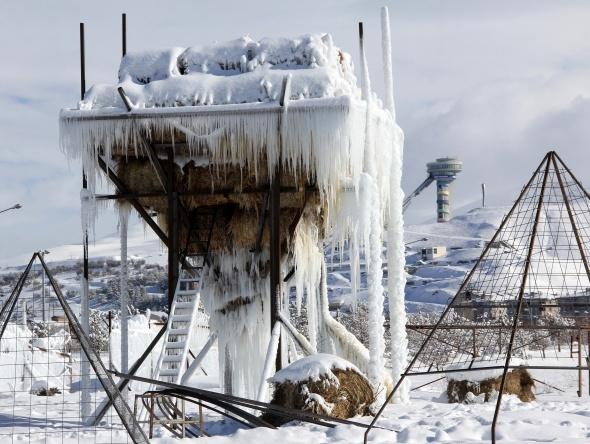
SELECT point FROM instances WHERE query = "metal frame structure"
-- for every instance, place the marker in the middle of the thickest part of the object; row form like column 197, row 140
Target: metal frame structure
column 112, row 391
column 551, row 161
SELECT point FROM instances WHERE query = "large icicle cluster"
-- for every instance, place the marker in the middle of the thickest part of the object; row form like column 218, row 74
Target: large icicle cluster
column 236, row 293
column 396, row 255
column 223, row 100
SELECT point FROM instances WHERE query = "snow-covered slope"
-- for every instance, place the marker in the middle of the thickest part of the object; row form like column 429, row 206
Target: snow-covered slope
column 431, row 283
column 142, row 244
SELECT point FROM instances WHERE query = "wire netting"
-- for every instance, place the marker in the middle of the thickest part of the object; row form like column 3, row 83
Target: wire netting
column 536, row 266
column 42, row 382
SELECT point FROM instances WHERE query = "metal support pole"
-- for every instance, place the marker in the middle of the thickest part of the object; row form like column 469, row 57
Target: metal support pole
column 173, row 228
column 579, row 363
column 124, row 33
column 521, row 294
column 588, row 360
column 275, row 254
column 85, row 404
column 82, row 64
column 275, row 229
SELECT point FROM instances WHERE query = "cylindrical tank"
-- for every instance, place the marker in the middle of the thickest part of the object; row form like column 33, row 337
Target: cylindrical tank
column 444, row 171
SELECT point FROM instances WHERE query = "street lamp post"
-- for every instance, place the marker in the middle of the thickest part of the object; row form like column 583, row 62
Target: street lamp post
column 14, row 207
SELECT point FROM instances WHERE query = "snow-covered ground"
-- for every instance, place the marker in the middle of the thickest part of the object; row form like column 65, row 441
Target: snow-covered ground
column 554, row 416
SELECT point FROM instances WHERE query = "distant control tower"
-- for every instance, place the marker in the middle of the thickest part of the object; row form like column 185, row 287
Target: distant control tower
column 443, row 171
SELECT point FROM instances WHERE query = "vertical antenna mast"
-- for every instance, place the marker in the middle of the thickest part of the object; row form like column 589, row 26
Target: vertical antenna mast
column 82, row 64
column 483, row 195
column 85, row 308
column 124, row 34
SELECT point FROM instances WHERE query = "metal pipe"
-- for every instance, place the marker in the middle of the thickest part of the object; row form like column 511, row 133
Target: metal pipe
column 82, row 64
column 124, row 34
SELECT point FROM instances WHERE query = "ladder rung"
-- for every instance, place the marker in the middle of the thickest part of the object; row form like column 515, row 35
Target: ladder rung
column 178, row 331
column 184, row 305
column 187, row 292
column 175, row 345
column 169, row 372
column 172, row 358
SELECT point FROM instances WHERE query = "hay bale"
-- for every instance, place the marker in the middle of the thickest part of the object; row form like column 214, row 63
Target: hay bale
column 322, row 384
column 518, row 382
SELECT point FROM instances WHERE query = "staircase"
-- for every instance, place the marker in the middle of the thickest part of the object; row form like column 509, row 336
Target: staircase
column 184, row 312
column 181, row 324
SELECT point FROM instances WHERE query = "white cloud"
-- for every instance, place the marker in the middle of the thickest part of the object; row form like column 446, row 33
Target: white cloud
column 496, row 83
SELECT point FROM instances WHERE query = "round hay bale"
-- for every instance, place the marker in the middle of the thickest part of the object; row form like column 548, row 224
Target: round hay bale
column 518, row 382
column 322, row 384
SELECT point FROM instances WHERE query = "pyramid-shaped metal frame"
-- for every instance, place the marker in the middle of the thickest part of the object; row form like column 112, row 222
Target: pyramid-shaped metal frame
column 136, row 433
column 536, row 262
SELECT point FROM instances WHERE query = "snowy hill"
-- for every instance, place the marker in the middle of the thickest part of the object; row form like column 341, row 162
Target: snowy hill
column 142, row 244
column 431, row 283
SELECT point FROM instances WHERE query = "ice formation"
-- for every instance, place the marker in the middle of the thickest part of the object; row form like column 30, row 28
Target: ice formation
column 124, row 211
column 222, row 98
column 236, row 294
column 396, row 256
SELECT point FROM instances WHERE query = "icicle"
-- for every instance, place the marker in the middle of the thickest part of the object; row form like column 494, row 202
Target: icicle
column 88, row 210
column 124, row 211
column 323, row 138
column 87, row 217
column 236, row 296
column 373, row 234
column 387, row 62
column 396, row 259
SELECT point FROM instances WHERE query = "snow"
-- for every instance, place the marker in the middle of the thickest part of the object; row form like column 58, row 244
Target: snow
column 314, row 367
column 237, row 71
column 480, row 375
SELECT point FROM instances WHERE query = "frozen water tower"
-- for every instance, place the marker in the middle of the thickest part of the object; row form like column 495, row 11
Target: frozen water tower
column 444, row 171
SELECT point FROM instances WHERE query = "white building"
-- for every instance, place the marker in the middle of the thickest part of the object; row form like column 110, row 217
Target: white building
column 430, row 253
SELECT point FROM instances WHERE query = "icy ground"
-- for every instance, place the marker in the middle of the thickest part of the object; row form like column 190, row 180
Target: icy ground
column 558, row 417
column 555, row 416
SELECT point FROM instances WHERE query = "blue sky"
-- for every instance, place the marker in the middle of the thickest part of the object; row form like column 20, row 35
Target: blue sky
column 496, row 83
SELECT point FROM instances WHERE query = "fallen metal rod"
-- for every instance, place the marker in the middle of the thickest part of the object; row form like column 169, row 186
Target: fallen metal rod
column 548, row 385
column 428, row 383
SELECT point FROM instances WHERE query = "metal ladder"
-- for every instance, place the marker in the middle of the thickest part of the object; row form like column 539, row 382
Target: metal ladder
column 184, row 313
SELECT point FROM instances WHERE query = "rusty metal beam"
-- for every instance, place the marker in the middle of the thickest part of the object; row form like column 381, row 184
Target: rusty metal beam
column 110, row 173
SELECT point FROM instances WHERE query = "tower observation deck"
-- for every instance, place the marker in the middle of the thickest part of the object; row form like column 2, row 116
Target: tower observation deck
column 444, row 171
